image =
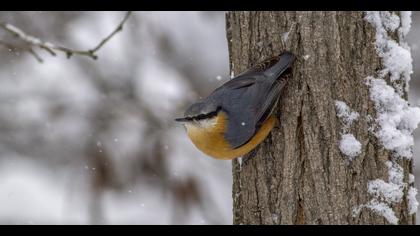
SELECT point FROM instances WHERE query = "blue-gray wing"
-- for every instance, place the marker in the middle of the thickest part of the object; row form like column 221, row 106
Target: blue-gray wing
column 250, row 98
column 242, row 103
column 248, row 106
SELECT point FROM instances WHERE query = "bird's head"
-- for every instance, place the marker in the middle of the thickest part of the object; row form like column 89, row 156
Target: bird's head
column 199, row 112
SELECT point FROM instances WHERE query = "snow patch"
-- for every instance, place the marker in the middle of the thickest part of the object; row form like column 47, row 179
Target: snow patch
column 396, row 57
column 398, row 61
column 396, row 119
column 350, row 146
column 344, row 113
column 383, row 210
column 387, row 192
column 390, row 192
column 393, row 191
column 405, row 22
column 412, row 201
column 410, row 178
column 395, row 173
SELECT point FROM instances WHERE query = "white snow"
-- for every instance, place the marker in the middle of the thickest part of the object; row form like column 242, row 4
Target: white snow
column 379, row 208
column 396, row 58
column 396, row 119
column 397, row 61
column 388, row 192
column 383, row 210
column 412, row 201
column 390, row 21
column 391, row 191
column 395, row 172
column 219, row 77
column 410, row 178
column 306, row 57
column 350, row 146
column 344, row 113
column 405, row 22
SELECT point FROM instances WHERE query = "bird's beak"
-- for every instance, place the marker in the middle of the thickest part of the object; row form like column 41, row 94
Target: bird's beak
column 183, row 119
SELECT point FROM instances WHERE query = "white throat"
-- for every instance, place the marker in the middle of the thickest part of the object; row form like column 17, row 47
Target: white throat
column 202, row 124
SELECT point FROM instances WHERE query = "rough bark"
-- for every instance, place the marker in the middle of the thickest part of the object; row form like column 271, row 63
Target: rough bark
column 298, row 174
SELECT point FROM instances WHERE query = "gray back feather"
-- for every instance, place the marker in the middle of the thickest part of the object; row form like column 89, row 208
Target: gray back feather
column 249, row 99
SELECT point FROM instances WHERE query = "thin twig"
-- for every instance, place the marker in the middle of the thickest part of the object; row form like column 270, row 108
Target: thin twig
column 119, row 28
column 52, row 48
column 37, row 57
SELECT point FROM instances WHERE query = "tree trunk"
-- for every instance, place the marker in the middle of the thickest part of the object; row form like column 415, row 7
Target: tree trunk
column 298, row 174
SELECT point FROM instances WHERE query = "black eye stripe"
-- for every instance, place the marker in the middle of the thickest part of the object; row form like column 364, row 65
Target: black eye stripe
column 206, row 116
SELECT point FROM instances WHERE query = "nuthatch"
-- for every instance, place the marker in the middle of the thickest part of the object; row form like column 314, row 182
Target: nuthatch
column 237, row 116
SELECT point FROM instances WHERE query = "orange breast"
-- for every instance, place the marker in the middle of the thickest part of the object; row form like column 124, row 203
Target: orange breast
column 210, row 138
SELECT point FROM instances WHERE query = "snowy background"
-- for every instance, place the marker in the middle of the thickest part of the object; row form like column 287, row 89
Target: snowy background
column 86, row 141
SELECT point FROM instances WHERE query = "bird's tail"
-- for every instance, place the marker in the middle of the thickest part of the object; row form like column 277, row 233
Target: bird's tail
column 276, row 66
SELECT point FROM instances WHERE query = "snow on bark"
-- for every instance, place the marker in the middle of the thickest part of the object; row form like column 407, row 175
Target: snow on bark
column 348, row 145
column 405, row 27
column 396, row 57
column 385, row 193
column 344, row 113
column 396, row 120
column 411, row 178
column 412, row 201
column 391, row 191
column 380, row 208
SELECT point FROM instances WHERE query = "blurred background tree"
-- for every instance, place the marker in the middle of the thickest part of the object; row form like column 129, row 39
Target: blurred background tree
column 87, row 141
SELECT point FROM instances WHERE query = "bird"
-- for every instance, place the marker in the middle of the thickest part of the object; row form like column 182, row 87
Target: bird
column 238, row 115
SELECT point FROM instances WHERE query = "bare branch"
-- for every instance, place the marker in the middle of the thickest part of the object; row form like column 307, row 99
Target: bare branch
column 51, row 48
column 119, row 28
